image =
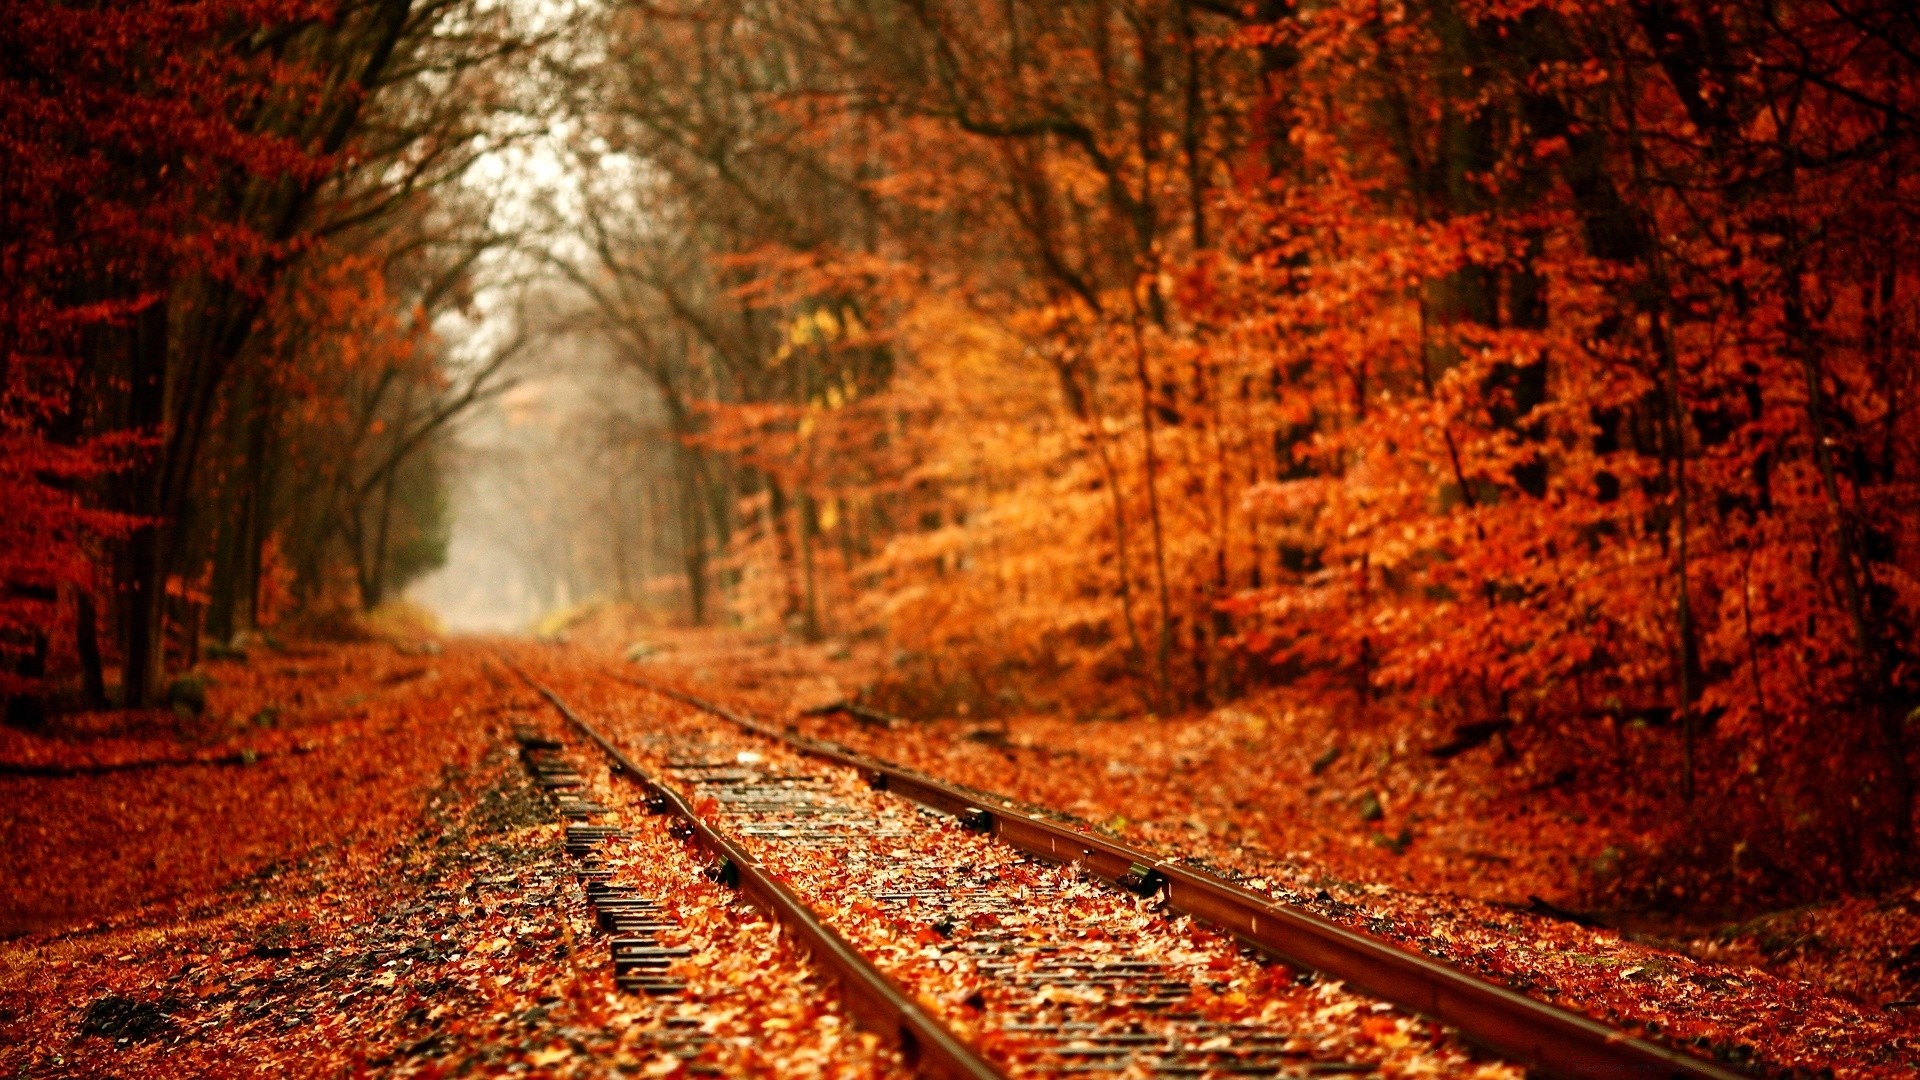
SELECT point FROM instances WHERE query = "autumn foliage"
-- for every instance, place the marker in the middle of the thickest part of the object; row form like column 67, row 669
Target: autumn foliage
column 204, row 209
column 1518, row 374
column 1499, row 372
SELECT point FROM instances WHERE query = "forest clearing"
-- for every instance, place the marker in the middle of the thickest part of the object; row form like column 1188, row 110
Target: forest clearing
column 962, row 538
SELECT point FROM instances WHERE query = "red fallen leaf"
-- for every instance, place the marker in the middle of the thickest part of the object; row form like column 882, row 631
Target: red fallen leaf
column 1376, row 1026
column 1263, row 795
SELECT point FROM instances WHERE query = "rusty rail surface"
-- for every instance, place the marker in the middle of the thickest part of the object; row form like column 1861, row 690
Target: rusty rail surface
column 1546, row 1039
column 876, row 1001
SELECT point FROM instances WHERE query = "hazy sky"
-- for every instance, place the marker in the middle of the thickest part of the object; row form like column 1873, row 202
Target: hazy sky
column 531, row 184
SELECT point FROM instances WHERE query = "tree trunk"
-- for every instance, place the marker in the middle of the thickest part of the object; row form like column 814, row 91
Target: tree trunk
column 783, row 550
column 86, row 631
column 374, row 591
column 29, row 710
column 1688, row 660
column 1156, row 528
column 810, row 604
column 143, row 561
column 693, row 534
column 236, row 562
column 262, row 471
column 1874, row 678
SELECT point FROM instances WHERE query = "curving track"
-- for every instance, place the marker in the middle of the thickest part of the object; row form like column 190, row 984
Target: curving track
column 986, row 940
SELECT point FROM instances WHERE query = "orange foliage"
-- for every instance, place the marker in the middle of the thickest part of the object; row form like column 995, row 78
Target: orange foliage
column 1500, row 364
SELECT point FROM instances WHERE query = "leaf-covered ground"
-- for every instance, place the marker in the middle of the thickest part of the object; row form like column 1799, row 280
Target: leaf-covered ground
column 340, row 866
column 979, row 893
column 371, row 885
column 1440, row 855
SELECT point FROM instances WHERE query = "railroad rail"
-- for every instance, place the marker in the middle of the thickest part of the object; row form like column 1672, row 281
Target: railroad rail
column 1046, row 971
column 640, row 959
column 1548, row 1040
column 874, row 1000
column 1074, row 1031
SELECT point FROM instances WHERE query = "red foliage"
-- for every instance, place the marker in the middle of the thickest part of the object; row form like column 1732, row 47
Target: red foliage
column 1515, row 364
column 114, row 122
column 1476, row 862
column 357, row 877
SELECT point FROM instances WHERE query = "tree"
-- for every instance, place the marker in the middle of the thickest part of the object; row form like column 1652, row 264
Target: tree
column 172, row 164
column 1516, row 368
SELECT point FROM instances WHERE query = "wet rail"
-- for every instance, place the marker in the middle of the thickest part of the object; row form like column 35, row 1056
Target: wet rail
column 1547, row 1040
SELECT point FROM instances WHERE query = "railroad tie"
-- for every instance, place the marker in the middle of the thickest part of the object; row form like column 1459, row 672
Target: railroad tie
column 633, row 923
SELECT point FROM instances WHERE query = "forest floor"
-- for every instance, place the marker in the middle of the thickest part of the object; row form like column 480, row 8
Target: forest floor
column 339, row 866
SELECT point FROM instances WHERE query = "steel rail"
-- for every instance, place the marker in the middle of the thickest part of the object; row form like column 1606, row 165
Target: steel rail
column 1544, row 1038
column 875, row 1000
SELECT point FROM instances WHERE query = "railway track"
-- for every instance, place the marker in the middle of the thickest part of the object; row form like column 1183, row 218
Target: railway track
column 652, row 901
column 985, row 940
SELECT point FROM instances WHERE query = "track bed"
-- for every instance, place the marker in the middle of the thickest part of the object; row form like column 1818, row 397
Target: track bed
column 977, row 957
